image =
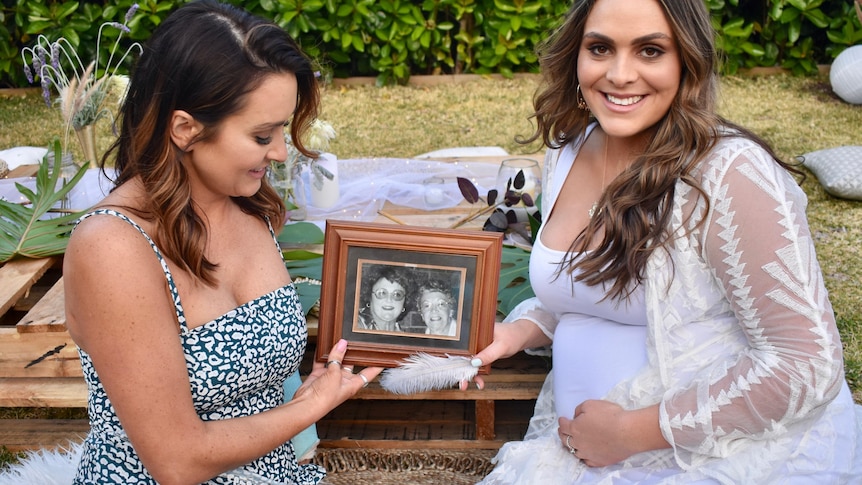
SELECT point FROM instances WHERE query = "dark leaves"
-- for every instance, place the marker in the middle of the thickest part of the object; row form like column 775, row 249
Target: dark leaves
column 512, row 198
column 468, row 190
column 492, row 197
column 520, row 180
column 499, row 220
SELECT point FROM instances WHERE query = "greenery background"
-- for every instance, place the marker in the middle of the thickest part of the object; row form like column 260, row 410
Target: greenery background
column 394, row 39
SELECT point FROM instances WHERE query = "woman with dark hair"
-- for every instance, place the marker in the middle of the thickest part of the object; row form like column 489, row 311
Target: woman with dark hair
column 383, row 294
column 185, row 317
column 675, row 276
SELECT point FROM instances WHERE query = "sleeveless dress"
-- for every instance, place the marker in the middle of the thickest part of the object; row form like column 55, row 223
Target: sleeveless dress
column 604, row 340
column 237, row 364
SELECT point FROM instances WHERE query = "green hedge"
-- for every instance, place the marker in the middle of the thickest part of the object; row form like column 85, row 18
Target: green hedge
column 394, row 39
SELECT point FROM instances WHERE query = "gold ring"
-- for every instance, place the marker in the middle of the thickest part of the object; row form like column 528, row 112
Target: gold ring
column 333, row 362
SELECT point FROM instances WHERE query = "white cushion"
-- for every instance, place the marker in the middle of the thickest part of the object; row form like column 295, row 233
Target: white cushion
column 839, row 170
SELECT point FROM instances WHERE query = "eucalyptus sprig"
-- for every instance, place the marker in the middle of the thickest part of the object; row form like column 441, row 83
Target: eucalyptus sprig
column 501, row 216
column 24, row 231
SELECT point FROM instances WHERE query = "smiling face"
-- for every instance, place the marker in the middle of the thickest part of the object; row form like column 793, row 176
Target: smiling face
column 629, row 65
column 435, row 307
column 387, row 302
column 233, row 161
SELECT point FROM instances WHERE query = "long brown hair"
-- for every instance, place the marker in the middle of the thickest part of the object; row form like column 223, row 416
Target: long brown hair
column 204, row 59
column 635, row 208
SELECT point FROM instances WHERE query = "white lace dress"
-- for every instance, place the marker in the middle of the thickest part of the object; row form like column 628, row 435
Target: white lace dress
column 742, row 352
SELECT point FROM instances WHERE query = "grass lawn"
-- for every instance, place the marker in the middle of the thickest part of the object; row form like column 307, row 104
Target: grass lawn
column 796, row 115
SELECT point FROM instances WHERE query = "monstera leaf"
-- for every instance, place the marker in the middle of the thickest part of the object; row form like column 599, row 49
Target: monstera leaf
column 514, row 285
column 24, row 232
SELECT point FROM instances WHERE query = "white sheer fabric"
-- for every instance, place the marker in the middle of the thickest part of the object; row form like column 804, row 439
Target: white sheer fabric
column 744, row 357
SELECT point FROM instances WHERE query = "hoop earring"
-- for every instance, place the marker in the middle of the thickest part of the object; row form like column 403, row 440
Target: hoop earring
column 579, row 97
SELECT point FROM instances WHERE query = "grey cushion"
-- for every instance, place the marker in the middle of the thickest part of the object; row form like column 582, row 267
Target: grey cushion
column 839, row 170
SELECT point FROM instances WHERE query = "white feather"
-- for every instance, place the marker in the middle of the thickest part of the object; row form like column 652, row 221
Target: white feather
column 424, row 372
column 46, row 467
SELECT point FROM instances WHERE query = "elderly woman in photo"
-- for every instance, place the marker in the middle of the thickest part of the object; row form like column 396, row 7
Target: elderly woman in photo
column 383, row 298
column 435, row 303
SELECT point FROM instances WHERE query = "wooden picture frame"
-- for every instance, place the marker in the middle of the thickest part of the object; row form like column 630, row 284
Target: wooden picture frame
column 355, row 256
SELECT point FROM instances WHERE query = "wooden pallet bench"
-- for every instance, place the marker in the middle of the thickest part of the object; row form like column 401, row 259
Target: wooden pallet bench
column 40, row 368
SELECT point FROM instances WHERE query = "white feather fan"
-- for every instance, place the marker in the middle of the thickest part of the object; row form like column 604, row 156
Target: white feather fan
column 424, row 372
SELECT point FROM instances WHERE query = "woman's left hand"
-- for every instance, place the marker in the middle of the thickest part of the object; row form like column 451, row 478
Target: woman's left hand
column 603, row 433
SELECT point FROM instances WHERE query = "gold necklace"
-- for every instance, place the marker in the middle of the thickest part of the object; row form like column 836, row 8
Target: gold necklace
column 595, row 206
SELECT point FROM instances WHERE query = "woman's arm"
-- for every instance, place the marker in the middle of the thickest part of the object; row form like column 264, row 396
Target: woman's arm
column 120, row 312
column 759, row 248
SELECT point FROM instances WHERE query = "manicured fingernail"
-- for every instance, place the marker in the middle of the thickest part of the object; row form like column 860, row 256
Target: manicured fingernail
column 477, row 362
column 342, row 344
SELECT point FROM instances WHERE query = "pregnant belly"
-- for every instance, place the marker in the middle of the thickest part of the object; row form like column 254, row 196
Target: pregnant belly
column 590, row 356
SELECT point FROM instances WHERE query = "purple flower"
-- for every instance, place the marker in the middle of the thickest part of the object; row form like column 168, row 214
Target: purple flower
column 28, row 73
column 55, row 55
column 46, row 91
column 119, row 26
column 131, row 13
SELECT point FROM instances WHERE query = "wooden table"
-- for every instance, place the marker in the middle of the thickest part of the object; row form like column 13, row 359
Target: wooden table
column 39, row 367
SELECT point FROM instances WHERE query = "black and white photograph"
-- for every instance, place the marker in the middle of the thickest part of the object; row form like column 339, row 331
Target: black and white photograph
column 393, row 291
column 409, row 298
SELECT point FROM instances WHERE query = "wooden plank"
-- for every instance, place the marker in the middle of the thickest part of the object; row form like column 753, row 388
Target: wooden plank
column 48, row 354
column 16, row 278
column 34, row 434
column 59, row 392
column 511, row 389
column 48, row 314
column 28, row 170
column 485, row 419
column 411, row 444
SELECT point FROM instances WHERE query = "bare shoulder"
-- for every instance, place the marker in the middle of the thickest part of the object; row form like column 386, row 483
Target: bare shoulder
column 103, row 237
column 108, row 253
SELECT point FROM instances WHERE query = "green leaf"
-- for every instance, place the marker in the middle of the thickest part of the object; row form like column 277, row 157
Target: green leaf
column 300, row 233
column 308, row 291
column 514, row 283
column 23, row 230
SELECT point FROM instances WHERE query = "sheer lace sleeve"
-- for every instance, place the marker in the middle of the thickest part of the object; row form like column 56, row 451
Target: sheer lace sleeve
column 757, row 245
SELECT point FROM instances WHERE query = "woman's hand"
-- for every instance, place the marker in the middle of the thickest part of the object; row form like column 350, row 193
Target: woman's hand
column 333, row 382
column 509, row 339
column 603, row 433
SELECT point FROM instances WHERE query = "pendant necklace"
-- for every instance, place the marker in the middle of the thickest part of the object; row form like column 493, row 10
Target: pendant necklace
column 595, row 205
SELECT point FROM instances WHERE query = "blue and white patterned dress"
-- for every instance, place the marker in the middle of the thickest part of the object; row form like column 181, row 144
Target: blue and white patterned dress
column 236, row 364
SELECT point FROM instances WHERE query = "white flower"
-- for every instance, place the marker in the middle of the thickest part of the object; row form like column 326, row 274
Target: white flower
column 320, row 134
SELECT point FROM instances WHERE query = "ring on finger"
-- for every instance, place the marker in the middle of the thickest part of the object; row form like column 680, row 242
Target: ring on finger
column 364, row 379
column 571, row 448
column 333, row 362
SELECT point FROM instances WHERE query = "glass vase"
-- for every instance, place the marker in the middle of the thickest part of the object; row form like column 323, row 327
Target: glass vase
column 298, row 196
column 287, row 181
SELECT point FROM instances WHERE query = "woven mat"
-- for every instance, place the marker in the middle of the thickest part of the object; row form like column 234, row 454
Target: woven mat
column 417, row 467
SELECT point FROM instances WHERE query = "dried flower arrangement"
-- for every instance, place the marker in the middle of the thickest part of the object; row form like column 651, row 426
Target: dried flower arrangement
column 82, row 89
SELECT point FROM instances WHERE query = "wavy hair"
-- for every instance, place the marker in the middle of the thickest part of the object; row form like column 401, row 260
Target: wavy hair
column 205, row 59
column 635, row 209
